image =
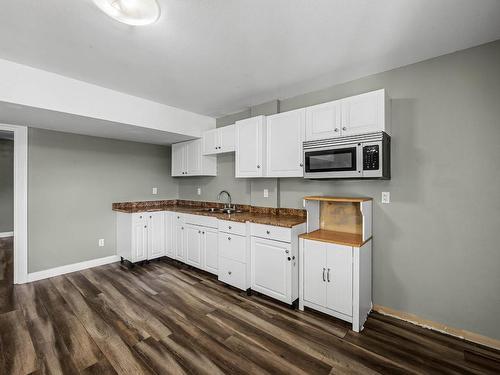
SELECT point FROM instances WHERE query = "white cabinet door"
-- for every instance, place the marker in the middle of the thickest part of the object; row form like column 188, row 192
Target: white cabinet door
column 210, row 250
column 339, row 278
column 226, row 138
column 140, row 239
column 323, row 121
column 178, row 159
column 193, row 245
column 271, row 271
column 363, row 113
column 180, row 243
column 249, row 147
column 211, row 142
column 156, row 235
column 285, row 134
column 169, row 234
column 194, row 158
column 315, row 272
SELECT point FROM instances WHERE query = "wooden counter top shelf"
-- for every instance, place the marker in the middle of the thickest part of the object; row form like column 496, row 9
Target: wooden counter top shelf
column 335, row 258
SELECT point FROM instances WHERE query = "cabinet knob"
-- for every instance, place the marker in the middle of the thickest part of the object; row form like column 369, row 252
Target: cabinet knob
column 289, row 258
column 140, row 217
column 268, row 232
column 178, row 217
column 151, row 217
column 301, row 164
column 229, row 238
column 230, row 227
column 336, row 130
column 344, row 128
column 287, row 251
column 229, row 272
column 199, row 232
column 202, row 232
column 145, row 226
column 258, row 166
column 182, row 228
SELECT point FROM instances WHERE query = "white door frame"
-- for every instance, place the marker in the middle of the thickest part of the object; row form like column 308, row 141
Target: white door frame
column 20, row 201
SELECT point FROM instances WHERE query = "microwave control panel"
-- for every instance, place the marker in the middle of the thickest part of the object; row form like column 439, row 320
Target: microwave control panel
column 371, row 158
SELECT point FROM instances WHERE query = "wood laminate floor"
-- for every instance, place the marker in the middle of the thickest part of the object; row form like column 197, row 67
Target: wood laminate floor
column 163, row 318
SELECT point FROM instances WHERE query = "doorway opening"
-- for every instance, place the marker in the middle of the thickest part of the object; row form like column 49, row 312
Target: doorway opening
column 6, row 210
column 13, row 205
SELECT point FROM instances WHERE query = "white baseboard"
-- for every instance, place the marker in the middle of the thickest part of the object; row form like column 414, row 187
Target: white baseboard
column 45, row 274
column 6, row 234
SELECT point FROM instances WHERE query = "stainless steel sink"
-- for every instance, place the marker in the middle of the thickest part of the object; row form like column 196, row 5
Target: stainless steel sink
column 222, row 210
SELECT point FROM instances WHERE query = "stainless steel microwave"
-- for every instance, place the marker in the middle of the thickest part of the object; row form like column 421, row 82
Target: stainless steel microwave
column 356, row 156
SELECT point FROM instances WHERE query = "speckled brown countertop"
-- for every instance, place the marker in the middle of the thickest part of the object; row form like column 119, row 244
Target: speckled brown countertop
column 282, row 217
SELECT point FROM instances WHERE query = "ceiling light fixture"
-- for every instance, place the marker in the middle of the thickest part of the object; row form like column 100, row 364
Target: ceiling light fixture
column 131, row 12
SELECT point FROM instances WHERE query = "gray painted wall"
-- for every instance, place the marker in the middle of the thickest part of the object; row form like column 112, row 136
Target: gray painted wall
column 6, row 185
column 72, row 182
column 436, row 251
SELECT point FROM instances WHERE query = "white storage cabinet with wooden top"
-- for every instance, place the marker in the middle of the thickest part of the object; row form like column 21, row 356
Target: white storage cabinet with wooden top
column 335, row 258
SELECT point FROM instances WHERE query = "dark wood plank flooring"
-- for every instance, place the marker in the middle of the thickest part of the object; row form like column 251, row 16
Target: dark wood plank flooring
column 164, row 318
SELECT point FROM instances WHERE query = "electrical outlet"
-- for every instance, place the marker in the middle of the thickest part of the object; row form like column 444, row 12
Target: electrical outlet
column 101, row 242
column 386, row 197
column 198, row 191
column 155, row 190
column 266, row 193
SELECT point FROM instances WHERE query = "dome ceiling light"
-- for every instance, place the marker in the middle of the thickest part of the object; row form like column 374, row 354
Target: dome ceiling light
column 131, row 12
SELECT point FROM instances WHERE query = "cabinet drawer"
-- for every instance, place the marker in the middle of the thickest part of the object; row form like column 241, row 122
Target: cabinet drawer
column 204, row 221
column 232, row 246
column 232, row 272
column 233, row 227
column 271, row 232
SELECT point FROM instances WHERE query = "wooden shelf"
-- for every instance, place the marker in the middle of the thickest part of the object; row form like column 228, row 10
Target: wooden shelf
column 340, row 238
column 337, row 199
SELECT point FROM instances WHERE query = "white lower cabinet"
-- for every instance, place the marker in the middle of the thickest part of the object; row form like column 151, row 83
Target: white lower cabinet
column 274, row 261
column 234, row 254
column 140, row 236
column 336, row 280
column 180, row 241
column 169, row 222
column 210, row 250
column 271, row 265
column 193, row 238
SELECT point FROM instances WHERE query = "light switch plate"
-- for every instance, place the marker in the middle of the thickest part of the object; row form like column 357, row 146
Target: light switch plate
column 386, row 197
column 266, row 193
column 155, row 190
column 198, row 191
column 101, row 242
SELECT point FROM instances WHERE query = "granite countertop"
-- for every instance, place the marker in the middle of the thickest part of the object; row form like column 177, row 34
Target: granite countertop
column 282, row 217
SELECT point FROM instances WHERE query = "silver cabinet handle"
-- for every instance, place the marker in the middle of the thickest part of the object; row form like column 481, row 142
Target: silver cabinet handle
column 344, row 128
column 328, row 275
column 324, row 275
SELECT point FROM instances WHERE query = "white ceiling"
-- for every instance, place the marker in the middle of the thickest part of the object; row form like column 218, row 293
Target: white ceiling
column 216, row 57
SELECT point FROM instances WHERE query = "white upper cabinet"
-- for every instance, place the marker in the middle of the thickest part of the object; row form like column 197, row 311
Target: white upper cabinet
column 285, row 135
column 359, row 114
column 218, row 141
column 188, row 160
column 365, row 113
column 250, row 147
column 323, row 121
column 226, row 138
